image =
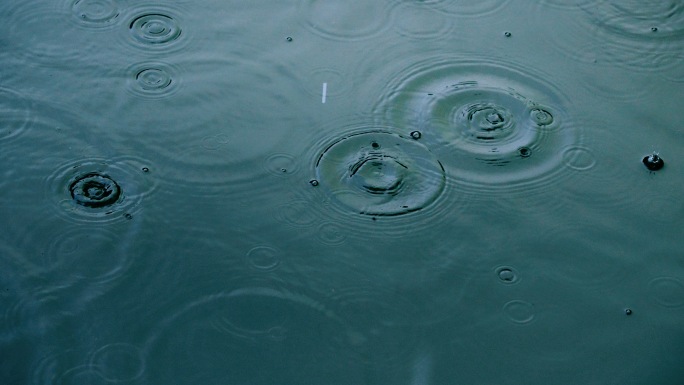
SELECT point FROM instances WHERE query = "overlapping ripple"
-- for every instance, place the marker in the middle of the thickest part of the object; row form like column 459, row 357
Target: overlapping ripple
column 341, row 20
column 15, row 114
column 493, row 126
column 462, row 8
column 96, row 13
column 235, row 335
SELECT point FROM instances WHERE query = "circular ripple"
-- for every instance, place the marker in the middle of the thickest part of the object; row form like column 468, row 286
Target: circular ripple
column 331, row 234
column 463, row 8
column 507, row 274
column 94, row 190
column 153, row 29
column 99, row 190
column 281, row 164
column 667, row 291
column 492, row 126
column 263, row 258
column 82, row 374
column 96, row 13
column 579, row 158
column 14, row 114
column 342, row 20
column 118, row 362
column 631, row 35
column 296, row 213
column 152, row 80
column 380, row 173
column 419, row 22
column 658, row 20
column 237, row 335
column 38, row 32
column 520, row 312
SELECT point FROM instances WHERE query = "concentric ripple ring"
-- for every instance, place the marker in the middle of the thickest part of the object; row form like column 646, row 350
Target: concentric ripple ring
column 380, row 173
column 492, row 125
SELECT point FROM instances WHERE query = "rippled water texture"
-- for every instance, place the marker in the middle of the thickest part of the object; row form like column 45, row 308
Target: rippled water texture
column 335, row 192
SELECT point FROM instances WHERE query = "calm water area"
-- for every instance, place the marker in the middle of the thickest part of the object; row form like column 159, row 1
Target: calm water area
column 341, row 192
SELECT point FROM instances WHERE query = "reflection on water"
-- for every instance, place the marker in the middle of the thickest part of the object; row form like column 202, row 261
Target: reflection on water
column 402, row 192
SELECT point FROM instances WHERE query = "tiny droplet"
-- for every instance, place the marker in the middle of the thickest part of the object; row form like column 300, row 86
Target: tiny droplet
column 416, row 135
column 289, row 38
column 628, row 311
column 313, row 182
column 507, row 34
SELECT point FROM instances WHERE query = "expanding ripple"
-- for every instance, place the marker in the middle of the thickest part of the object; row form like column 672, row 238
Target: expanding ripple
column 96, row 13
column 239, row 334
column 493, row 127
column 223, row 149
column 376, row 180
column 654, row 20
column 667, row 291
column 281, row 164
column 157, row 28
column 39, row 30
column 462, row 8
column 99, row 190
column 565, row 4
column 342, row 20
column 381, row 174
column 625, row 34
column 15, row 115
column 420, row 22
column 153, row 80
column 381, row 322
column 118, row 362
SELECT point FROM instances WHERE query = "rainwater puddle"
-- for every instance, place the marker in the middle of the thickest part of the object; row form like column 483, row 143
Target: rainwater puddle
column 382, row 192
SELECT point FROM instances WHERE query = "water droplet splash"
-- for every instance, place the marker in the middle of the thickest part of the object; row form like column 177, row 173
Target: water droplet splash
column 380, row 174
column 653, row 162
column 95, row 190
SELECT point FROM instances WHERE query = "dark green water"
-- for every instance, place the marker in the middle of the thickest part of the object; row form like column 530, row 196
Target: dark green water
column 335, row 192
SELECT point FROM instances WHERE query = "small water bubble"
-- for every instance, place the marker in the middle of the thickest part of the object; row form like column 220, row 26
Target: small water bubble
column 416, row 135
column 628, row 311
column 289, row 38
column 524, row 152
column 654, row 29
column 507, row 274
column 128, row 216
column 145, row 169
column 507, row 34
column 313, row 182
column 375, row 145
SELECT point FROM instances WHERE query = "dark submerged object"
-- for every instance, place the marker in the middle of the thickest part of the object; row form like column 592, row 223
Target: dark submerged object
column 653, row 162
